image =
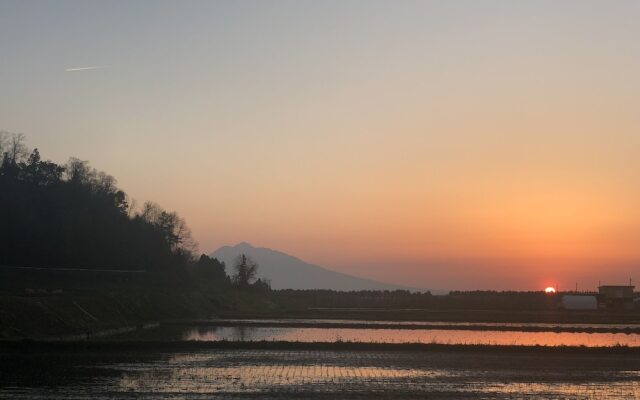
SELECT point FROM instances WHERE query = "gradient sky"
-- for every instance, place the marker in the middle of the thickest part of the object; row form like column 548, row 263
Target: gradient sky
column 442, row 144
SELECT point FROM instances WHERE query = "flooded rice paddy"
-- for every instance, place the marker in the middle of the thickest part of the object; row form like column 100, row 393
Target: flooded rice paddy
column 288, row 374
column 310, row 331
column 445, row 336
column 147, row 364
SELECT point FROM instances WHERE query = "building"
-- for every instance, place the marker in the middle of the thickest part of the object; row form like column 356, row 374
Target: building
column 579, row 302
column 616, row 296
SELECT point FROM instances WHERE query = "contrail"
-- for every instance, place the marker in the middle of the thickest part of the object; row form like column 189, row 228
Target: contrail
column 86, row 68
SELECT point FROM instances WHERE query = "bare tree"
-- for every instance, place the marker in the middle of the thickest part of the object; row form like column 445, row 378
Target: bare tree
column 79, row 171
column 4, row 140
column 173, row 227
column 12, row 147
column 150, row 212
column 132, row 206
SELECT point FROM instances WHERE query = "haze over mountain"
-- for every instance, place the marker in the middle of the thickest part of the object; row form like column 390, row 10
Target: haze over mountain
column 289, row 272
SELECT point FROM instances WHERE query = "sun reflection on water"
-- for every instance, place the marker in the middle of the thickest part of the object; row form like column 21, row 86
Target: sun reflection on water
column 444, row 336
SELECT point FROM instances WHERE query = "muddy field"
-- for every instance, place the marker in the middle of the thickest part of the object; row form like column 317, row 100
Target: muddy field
column 229, row 373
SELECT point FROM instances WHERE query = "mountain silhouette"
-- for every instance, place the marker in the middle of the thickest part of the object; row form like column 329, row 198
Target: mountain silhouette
column 289, row 272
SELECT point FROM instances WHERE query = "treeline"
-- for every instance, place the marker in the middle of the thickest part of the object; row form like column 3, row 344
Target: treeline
column 403, row 299
column 73, row 216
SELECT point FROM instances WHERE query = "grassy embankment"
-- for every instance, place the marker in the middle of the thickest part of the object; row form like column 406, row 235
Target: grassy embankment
column 114, row 307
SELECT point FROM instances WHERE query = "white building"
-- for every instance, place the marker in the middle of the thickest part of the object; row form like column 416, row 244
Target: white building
column 577, row 302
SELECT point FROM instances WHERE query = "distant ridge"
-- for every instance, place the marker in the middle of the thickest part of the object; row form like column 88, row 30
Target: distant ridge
column 289, row 272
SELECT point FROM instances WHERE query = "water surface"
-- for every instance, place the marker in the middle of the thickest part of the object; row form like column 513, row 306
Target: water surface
column 265, row 374
column 442, row 336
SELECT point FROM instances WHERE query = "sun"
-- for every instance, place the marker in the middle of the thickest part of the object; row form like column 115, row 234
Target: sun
column 550, row 290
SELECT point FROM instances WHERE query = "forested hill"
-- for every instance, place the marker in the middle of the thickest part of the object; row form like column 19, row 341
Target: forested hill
column 71, row 215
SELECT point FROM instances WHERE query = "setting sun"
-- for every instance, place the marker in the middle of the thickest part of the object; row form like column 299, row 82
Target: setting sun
column 550, row 290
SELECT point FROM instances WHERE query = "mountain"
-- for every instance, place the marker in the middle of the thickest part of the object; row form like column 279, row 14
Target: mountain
column 288, row 272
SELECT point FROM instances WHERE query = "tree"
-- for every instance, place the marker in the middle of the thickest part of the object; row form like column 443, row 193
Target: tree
column 12, row 147
column 246, row 271
column 262, row 285
column 210, row 270
column 173, row 228
column 13, row 153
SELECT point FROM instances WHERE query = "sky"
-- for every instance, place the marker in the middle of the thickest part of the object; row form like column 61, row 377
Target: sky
column 441, row 144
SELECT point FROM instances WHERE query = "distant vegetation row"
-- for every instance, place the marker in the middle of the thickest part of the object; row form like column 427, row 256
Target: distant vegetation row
column 403, row 299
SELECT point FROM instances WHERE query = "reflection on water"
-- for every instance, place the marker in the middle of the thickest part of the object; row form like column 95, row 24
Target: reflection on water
column 198, row 374
column 444, row 336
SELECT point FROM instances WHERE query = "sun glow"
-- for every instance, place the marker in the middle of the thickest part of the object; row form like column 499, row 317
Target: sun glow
column 550, row 290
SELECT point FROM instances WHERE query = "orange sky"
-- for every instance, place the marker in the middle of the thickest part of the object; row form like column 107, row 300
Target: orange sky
column 456, row 146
